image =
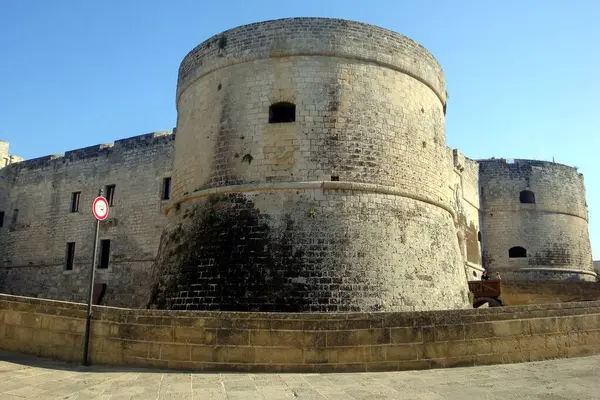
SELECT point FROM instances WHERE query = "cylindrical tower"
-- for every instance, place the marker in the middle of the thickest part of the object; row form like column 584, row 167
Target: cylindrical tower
column 535, row 222
column 307, row 174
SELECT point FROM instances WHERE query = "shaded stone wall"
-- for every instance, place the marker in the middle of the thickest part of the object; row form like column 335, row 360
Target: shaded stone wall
column 306, row 342
column 463, row 184
column 369, row 121
column 547, row 292
column 38, row 223
column 553, row 230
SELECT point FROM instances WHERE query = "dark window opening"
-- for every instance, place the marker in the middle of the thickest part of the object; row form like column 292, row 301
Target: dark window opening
column 1, row 219
column 75, row 201
column 517, row 252
column 104, row 253
column 479, row 236
column 282, row 112
column 109, row 194
column 166, row 193
column 335, row 178
column 70, row 256
column 527, row 196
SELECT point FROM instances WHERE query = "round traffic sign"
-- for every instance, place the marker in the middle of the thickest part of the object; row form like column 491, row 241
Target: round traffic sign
column 100, row 208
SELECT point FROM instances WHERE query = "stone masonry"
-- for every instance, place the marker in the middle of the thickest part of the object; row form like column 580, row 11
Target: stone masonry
column 309, row 173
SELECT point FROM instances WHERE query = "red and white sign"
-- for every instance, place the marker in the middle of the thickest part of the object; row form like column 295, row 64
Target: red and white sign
column 100, row 208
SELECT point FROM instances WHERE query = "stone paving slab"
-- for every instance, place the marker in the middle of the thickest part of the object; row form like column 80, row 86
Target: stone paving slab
column 27, row 377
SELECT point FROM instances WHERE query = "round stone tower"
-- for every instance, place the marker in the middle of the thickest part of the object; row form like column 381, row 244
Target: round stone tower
column 307, row 174
column 535, row 222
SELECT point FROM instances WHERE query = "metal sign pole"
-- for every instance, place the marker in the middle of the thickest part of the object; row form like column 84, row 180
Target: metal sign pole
column 88, row 320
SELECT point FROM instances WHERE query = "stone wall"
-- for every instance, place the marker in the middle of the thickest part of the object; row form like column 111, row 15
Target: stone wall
column 463, row 183
column 546, row 292
column 553, row 230
column 36, row 199
column 345, row 208
column 278, row 342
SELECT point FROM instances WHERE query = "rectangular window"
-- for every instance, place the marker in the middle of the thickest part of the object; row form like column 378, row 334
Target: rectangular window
column 166, row 193
column 70, row 256
column 1, row 219
column 104, row 253
column 75, row 201
column 109, row 194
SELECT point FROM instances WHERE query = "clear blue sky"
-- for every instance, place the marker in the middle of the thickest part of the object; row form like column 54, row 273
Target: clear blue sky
column 522, row 76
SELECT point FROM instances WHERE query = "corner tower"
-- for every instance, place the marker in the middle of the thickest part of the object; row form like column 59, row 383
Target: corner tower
column 307, row 174
column 535, row 222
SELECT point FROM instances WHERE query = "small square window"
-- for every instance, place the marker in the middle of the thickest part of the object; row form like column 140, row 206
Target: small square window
column 75, row 201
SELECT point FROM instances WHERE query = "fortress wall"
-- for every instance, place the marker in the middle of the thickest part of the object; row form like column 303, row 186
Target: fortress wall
column 553, row 230
column 39, row 222
column 546, row 292
column 307, row 342
column 344, row 209
column 463, row 184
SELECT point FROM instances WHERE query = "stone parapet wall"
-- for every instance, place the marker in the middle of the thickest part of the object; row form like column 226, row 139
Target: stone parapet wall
column 301, row 342
column 316, row 37
column 546, row 292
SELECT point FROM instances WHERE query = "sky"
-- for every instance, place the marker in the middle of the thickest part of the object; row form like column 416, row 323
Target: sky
column 522, row 76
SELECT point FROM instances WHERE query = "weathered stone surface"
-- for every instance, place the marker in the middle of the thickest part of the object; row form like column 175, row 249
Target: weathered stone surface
column 553, row 230
column 318, row 342
column 38, row 223
column 355, row 205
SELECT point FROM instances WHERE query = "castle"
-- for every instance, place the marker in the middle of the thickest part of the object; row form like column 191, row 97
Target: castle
column 308, row 171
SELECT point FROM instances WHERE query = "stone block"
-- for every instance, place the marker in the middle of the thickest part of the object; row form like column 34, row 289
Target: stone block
column 233, row 337
column 177, row 352
column 184, row 334
column 449, row 333
column 532, row 342
column 268, row 355
column 276, row 338
column 502, row 345
column 148, row 332
column 344, row 355
column 315, row 339
column 368, row 337
column 406, row 335
column 543, row 325
column 342, row 338
column 234, row 354
column 134, row 348
column 479, row 330
column 12, row 318
column 403, row 352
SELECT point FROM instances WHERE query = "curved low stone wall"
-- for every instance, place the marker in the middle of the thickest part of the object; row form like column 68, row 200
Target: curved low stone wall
column 301, row 342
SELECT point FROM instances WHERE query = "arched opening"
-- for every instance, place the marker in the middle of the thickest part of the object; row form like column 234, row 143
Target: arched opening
column 479, row 236
column 527, row 196
column 490, row 301
column 282, row 112
column 517, row 252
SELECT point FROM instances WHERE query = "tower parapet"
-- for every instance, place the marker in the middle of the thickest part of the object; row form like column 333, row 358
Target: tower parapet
column 535, row 220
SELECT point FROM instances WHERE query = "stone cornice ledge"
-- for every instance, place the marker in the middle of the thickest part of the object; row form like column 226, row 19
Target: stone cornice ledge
column 312, row 185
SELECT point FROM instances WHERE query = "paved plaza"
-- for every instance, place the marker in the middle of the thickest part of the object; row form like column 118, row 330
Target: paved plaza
column 26, row 377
